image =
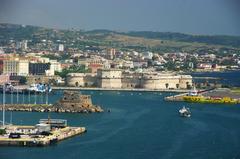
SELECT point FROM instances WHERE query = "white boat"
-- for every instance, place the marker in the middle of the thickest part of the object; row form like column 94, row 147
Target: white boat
column 39, row 88
column 185, row 112
column 193, row 92
column 9, row 88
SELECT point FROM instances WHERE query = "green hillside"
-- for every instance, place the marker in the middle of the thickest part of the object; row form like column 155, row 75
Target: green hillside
column 139, row 41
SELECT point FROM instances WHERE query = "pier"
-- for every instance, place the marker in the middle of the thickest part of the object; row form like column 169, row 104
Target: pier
column 176, row 98
column 56, row 135
column 214, row 96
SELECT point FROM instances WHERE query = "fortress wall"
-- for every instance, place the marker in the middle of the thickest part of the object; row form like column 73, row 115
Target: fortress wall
column 161, row 83
column 185, row 81
column 133, row 82
column 110, row 83
column 114, row 79
column 77, row 81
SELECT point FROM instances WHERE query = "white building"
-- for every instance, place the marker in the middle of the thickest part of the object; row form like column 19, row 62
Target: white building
column 16, row 67
column 1, row 50
column 55, row 66
column 60, row 47
column 147, row 55
column 24, row 45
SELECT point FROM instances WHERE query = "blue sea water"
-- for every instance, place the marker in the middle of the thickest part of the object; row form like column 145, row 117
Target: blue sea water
column 140, row 125
column 231, row 78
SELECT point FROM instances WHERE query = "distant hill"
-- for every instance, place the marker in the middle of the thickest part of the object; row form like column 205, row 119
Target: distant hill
column 134, row 40
column 216, row 39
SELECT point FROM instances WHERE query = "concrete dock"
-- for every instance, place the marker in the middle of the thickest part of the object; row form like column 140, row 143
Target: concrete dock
column 214, row 96
column 176, row 98
column 57, row 134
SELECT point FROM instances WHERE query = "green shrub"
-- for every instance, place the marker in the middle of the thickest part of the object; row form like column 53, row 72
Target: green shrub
column 2, row 131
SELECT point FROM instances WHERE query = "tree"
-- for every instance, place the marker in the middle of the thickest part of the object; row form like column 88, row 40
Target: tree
column 72, row 69
column 22, row 80
column 2, row 131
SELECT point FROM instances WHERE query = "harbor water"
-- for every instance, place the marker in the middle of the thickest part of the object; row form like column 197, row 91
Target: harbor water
column 230, row 78
column 139, row 125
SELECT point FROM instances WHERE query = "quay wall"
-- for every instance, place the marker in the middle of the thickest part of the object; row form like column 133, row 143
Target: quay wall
column 57, row 135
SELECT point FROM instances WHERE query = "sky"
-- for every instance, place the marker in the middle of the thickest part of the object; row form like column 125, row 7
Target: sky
column 205, row 17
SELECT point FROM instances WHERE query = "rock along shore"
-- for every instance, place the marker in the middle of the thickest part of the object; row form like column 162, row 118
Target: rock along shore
column 50, row 108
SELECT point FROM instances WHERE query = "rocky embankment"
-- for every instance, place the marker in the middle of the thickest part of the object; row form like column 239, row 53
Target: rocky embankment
column 50, row 108
column 70, row 102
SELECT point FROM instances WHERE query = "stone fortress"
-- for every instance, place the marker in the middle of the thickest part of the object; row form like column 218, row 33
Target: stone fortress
column 116, row 79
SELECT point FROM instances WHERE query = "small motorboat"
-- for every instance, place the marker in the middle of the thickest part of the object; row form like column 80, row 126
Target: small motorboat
column 185, row 112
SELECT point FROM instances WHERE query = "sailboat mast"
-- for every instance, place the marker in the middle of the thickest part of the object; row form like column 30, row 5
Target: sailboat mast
column 12, row 96
column 29, row 98
column 17, row 93
column 35, row 98
column 47, row 94
column 3, row 120
column 11, row 118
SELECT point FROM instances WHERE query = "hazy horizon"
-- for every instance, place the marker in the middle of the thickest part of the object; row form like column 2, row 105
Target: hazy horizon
column 206, row 17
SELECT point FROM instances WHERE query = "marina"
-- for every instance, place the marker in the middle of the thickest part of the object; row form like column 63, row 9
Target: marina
column 26, row 89
column 128, row 125
column 71, row 102
column 126, row 130
column 19, row 135
column 48, row 131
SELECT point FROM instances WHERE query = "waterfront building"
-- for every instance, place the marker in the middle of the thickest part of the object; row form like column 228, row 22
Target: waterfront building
column 82, row 79
column 75, row 79
column 166, row 82
column 154, row 80
column 54, row 66
column 16, row 67
column 115, row 78
column 109, row 78
column 38, row 68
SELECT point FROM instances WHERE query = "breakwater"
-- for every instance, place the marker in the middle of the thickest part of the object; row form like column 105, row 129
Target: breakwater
column 50, row 108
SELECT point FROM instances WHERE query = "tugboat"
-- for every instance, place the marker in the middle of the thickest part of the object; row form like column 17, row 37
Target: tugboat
column 185, row 112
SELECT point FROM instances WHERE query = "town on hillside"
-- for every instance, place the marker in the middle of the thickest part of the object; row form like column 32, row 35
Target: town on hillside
column 105, row 59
